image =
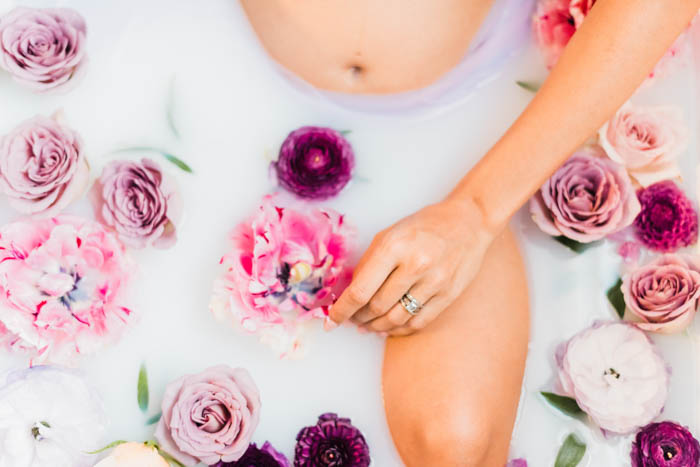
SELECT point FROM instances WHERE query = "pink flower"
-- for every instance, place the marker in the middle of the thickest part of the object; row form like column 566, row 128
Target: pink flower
column 579, row 9
column 286, row 267
column 42, row 166
column 647, row 141
column 664, row 293
column 209, row 417
column 133, row 455
column 61, row 281
column 615, row 374
column 554, row 26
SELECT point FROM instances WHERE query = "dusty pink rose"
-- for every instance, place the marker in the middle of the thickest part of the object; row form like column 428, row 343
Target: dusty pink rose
column 209, row 417
column 588, row 198
column 42, row 48
column 664, row 293
column 42, row 166
column 647, row 141
column 139, row 201
column 61, row 286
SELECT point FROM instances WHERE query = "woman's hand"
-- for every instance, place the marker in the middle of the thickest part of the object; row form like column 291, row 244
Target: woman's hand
column 432, row 254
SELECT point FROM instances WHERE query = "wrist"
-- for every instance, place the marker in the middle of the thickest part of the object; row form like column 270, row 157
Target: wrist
column 471, row 213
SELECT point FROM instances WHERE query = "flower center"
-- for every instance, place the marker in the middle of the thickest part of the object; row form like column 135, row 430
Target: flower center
column 331, row 456
column 611, row 376
column 37, row 430
column 299, row 280
column 669, row 452
column 662, row 216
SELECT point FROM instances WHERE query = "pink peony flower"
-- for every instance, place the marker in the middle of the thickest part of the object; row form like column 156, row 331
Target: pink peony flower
column 615, row 374
column 647, row 141
column 286, row 267
column 42, row 166
column 554, row 26
column 209, row 417
column 42, row 48
column 61, row 282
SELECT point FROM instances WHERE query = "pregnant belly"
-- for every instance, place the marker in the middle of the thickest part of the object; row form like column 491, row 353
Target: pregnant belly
column 367, row 47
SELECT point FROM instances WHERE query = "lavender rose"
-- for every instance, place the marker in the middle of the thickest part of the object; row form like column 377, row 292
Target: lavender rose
column 139, row 202
column 332, row 442
column 588, row 198
column 266, row 456
column 314, row 162
column 209, row 417
column 664, row 293
column 665, row 444
column 668, row 219
column 42, row 166
column 42, row 48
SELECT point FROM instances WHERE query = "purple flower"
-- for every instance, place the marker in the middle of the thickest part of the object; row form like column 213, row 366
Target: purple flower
column 42, row 48
column 668, row 220
column 517, row 463
column 314, row 162
column 332, row 442
column 266, row 456
column 665, row 444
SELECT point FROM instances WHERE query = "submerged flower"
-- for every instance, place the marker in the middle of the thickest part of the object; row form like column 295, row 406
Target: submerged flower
column 138, row 201
column 134, row 455
column 665, row 444
column 332, row 442
column 287, row 266
column 615, row 374
column 49, row 417
column 517, row 463
column 668, row 220
column 266, row 456
column 588, row 198
column 42, row 48
column 61, row 281
column 554, row 25
column 42, row 166
column 315, row 162
column 210, row 416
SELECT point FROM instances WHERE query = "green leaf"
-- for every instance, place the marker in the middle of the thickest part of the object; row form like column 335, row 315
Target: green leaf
column 528, row 85
column 170, row 111
column 109, row 446
column 142, row 389
column 564, row 404
column 170, row 157
column 345, row 132
column 616, row 298
column 178, row 162
column 154, row 419
column 573, row 245
column 571, row 452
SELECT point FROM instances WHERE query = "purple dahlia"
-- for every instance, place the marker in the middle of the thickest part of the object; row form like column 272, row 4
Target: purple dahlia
column 266, row 456
column 668, row 219
column 332, row 442
column 314, row 162
column 665, row 444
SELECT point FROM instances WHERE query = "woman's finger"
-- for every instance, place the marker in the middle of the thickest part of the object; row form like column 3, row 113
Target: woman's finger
column 398, row 283
column 398, row 316
column 427, row 314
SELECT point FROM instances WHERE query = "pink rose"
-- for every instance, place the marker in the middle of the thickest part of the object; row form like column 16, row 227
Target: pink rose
column 209, row 417
column 588, row 198
column 664, row 293
column 554, row 25
column 647, row 141
column 42, row 166
column 42, row 48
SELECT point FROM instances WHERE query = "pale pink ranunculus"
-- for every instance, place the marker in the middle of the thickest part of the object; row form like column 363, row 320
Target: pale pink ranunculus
column 615, row 374
column 42, row 166
column 287, row 265
column 210, row 416
column 554, row 25
column 43, row 48
column 647, row 141
column 61, row 287
column 663, row 294
column 133, row 455
column 587, row 199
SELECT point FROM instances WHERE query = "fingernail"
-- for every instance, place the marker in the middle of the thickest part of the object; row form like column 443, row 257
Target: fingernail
column 362, row 330
column 329, row 324
column 383, row 334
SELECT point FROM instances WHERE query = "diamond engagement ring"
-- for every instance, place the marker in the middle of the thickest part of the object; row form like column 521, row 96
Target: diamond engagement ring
column 410, row 304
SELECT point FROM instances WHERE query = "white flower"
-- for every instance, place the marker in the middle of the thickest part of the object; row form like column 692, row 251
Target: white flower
column 133, row 455
column 616, row 376
column 49, row 417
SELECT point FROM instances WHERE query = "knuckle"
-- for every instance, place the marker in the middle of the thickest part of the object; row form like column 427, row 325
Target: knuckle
column 376, row 308
column 396, row 320
column 420, row 261
column 356, row 295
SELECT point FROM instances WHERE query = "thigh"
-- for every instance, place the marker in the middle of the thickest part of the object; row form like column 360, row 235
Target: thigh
column 451, row 391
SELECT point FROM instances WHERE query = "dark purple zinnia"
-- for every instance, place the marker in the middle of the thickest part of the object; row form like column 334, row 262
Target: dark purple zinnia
column 314, row 162
column 668, row 219
column 665, row 444
column 332, row 442
column 266, row 456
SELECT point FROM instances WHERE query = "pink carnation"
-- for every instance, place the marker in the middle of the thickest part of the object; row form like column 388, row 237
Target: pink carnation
column 287, row 266
column 61, row 281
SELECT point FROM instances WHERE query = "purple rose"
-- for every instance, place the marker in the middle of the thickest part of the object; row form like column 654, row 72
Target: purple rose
column 517, row 463
column 668, row 219
column 42, row 48
column 209, row 417
column 665, row 444
column 266, row 456
column 588, row 198
column 42, row 166
column 314, row 162
column 332, row 442
column 139, row 202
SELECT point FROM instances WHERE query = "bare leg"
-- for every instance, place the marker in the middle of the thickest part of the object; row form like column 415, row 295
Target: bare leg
column 451, row 391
